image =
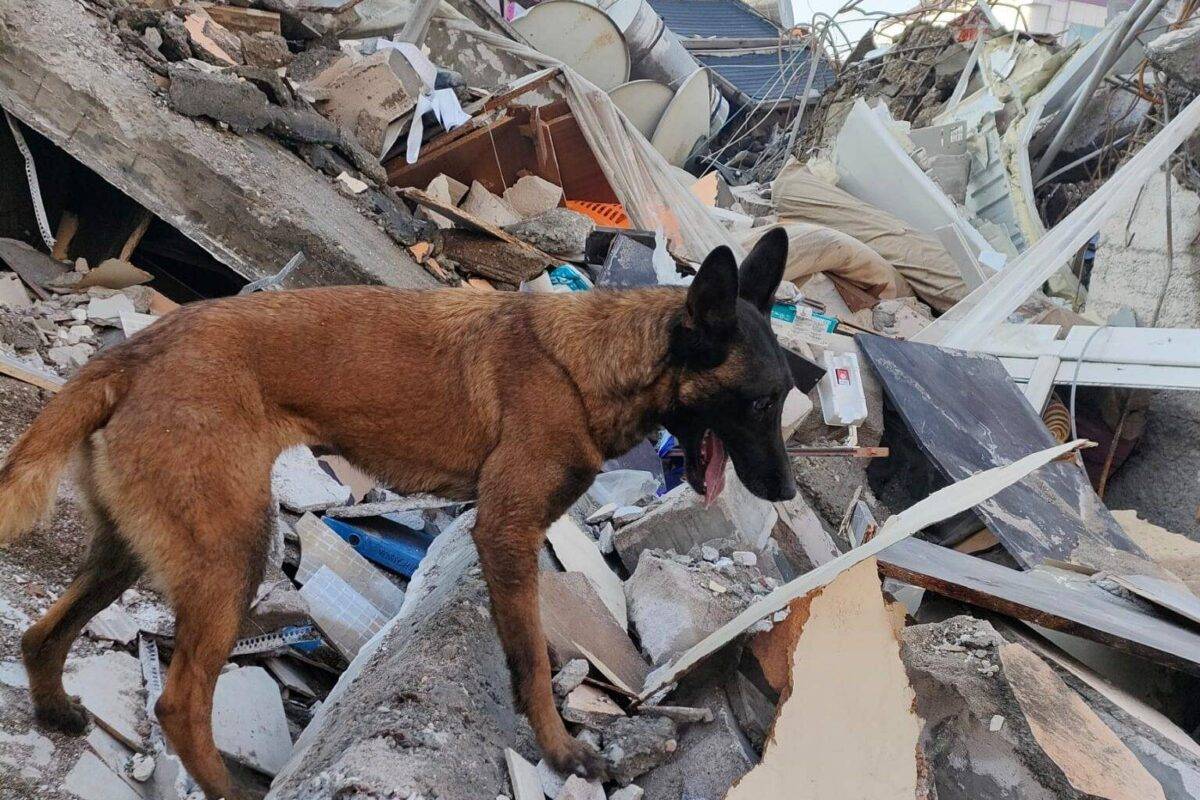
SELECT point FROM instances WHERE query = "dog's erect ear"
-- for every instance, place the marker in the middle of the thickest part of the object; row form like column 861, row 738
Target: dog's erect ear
column 712, row 297
column 762, row 270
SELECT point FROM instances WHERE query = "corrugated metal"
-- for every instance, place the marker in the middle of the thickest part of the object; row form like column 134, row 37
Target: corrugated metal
column 725, row 19
column 769, row 75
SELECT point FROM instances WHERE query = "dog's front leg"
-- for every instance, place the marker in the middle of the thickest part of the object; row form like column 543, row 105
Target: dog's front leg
column 508, row 535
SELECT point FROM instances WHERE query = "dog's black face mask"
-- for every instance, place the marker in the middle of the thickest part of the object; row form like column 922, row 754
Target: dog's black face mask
column 735, row 376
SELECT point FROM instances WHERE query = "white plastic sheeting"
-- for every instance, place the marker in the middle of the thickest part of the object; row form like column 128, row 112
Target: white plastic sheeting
column 973, row 319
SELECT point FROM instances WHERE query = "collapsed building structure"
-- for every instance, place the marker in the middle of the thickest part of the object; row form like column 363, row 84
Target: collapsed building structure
column 991, row 234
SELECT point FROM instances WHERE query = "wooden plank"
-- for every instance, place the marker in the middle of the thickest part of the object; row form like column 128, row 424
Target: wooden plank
column 1162, row 347
column 43, row 380
column 135, row 237
column 577, row 625
column 940, row 505
column 1056, row 599
column 1041, row 382
column 966, row 415
column 1127, row 376
column 244, row 20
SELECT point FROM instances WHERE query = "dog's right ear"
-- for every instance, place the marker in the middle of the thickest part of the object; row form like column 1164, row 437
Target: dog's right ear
column 712, row 298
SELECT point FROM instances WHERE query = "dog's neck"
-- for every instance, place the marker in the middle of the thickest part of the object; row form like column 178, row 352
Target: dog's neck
column 615, row 348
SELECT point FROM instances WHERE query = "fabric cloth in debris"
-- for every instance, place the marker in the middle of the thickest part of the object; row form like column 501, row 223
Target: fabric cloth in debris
column 817, row 248
column 801, row 196
column 642, row 180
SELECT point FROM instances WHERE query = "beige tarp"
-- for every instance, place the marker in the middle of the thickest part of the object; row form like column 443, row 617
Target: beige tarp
column 816, row 248
column 800, row 196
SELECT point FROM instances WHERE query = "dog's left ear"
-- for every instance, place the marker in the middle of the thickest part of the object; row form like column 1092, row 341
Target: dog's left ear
column 762, row 270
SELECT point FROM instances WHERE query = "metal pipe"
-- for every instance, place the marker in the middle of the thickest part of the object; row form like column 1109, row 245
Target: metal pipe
column 1109, row 57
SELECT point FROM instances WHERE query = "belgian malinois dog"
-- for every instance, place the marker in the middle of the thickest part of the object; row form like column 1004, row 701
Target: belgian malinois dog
column 514, row 400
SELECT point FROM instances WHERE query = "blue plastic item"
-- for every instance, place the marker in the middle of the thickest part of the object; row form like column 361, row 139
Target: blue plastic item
column 401, row 553
column 569, row 276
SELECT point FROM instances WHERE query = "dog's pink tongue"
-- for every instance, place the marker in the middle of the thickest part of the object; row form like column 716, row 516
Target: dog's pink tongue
column 714, row 472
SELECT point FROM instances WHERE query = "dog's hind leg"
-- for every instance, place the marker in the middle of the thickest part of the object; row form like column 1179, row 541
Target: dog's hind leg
column 109, row 569
column 210, row 597
column 508, row 534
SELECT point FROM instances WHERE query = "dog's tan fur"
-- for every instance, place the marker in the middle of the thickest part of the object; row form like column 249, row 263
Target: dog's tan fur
column 513, row 399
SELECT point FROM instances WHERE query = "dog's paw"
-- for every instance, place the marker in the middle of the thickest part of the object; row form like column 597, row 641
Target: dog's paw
column 70, row 719
column 578, row 758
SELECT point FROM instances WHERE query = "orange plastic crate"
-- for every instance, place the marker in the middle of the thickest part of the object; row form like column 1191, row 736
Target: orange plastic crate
column 610, row 215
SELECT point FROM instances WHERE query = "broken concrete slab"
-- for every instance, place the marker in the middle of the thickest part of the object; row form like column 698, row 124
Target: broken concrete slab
column 300, row 485
column 635, row 745
column 426, row 707
column 1177, row 53
column 220, row 97
column 107, row 311
column 681, row 522
column 672, row 607
column 847, row 692
column 110, row 687
column 567, row 679
column 526, row 784
column 13, row 294
column 91, row 779
column 576, row 788
column 249, row 725
column 246, row 200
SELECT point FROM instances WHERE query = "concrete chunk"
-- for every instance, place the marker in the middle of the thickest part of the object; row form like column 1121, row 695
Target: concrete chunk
column 1177, row 53
column 220, row 97
column 636, row 745
column 107, row 310
column 672, row 606
column 481, row 203
column 532, row 195
column 576, row 788
column 681, row 522
column 113, row 624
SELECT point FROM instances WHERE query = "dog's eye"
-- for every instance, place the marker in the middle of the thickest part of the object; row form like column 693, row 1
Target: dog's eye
column 763, row 403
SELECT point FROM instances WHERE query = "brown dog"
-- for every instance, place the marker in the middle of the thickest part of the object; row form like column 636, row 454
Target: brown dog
column 513, row 399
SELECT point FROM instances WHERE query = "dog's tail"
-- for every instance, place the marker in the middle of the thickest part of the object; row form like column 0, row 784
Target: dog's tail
column 29, row 476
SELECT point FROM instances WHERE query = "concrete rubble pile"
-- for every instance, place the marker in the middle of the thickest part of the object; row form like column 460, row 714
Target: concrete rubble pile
column 991, row 229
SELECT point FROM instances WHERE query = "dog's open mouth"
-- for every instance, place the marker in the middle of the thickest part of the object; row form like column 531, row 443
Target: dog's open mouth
column 711, row 468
